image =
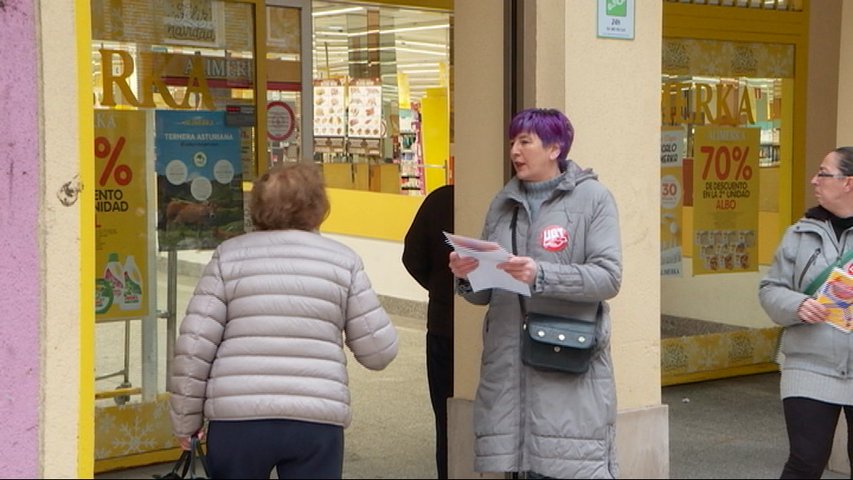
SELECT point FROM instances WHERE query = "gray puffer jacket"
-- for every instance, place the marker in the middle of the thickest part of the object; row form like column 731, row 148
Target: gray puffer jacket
column 806, row 249
column 555, row 424
column 263, row 334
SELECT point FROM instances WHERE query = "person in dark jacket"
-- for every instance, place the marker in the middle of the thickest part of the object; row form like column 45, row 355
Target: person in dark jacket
column 425, row 258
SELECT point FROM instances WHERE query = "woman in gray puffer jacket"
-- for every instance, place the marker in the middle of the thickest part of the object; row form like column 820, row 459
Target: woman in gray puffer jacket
column 546, row 423
column 260, row 352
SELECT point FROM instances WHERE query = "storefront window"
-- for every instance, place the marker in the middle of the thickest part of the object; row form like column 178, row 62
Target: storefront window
column 726, row 139
column 175, row 126
column 284, row 85
column 382, row 97
column 736, row 85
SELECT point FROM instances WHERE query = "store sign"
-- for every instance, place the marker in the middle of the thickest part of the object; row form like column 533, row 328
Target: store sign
column 725, row 199
column 117, row 66
column 281, row 121
column 702, row 103
column 189, row 22
column 616, row 19
column 219, row 72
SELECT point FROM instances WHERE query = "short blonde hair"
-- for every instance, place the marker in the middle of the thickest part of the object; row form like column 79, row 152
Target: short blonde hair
column 291, row 196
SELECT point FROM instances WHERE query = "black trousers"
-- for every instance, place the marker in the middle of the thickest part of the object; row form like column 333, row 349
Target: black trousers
column 811, row 428
column 252, row 448
column 439, row 362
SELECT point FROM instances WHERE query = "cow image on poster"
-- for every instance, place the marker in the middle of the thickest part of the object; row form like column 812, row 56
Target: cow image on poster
column 183, row 212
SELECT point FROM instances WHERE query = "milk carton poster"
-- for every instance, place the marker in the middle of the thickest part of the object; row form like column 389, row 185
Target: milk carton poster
column 121, row 215
column 199, row 180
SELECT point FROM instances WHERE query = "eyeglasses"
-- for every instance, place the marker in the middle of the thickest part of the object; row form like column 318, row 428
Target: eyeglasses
column 831, row 175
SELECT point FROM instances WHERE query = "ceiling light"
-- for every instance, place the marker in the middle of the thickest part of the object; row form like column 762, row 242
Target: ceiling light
column 425, row 52
column 384, row 31
column 407, row 43
column 336, row 11
column 416, row 72
column 416, row 29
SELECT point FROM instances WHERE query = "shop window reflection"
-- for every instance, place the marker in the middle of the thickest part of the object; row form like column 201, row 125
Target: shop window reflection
column 753, row 102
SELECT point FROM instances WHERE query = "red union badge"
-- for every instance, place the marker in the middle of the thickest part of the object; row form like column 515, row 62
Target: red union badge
column 554, row 238
column 849, row 268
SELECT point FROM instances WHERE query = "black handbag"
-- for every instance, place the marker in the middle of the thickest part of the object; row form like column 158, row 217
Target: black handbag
column 557, row 343
column 185, row 466
column 551, row 342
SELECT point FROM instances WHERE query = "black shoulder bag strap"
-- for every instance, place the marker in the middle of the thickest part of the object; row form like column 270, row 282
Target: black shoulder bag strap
column 512, row 225
column 822, row 276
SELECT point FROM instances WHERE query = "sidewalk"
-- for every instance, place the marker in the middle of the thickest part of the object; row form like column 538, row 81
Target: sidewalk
column 730, row 428
column 392, row 431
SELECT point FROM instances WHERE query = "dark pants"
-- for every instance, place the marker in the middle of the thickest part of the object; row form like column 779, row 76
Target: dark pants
column 252, row 448
column 811, row 427
column 439, row 362
column 528, row 475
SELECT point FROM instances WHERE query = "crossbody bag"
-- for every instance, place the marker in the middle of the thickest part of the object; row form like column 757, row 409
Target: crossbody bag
column 551, row 342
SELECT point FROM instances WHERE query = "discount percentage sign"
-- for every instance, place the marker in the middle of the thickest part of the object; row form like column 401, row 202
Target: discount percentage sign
column 743, row 171
column 722, row 159
column 122, row 174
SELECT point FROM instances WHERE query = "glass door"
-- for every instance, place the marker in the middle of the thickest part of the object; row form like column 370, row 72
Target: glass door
column 289, row 113
column 175, row 126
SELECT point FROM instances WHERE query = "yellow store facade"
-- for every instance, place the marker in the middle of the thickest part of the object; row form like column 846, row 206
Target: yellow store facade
column 178, row 105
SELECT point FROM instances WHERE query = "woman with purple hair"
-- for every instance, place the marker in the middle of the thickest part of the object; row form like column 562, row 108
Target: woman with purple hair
column 564, row 226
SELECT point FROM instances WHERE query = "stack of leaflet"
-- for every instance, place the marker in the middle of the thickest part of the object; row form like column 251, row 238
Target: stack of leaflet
column 487, row 274
column 837, row 295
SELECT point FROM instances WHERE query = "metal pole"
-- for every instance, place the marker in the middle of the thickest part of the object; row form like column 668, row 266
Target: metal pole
column 126, row 354
column 171, row 307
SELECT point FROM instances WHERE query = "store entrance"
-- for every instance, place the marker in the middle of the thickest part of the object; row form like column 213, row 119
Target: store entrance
column 179, row 137
column 731, row 126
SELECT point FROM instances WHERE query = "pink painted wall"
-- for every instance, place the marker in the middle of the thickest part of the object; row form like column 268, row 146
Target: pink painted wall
column 19, row 242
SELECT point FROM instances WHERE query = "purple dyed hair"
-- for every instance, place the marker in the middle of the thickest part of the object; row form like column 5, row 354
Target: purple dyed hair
column 550, row 125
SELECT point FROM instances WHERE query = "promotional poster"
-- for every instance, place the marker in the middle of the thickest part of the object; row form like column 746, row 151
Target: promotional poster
column 199, row 180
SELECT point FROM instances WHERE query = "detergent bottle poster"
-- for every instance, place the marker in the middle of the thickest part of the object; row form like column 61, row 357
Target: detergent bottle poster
column 199, row 180
column 121, row 215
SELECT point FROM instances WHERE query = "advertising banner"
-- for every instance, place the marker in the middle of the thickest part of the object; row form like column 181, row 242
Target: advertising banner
column 672, row 199
column 329, row 108
column 199, row 180
column 364, row 111
column 121, row 215
column 725, row 199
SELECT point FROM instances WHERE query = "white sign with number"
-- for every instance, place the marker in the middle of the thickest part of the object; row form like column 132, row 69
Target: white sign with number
column 616, row 19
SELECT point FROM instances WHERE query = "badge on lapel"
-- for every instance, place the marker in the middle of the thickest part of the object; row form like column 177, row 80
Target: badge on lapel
column 554, row 238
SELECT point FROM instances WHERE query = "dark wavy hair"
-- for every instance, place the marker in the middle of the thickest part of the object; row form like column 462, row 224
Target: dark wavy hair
column 845, row 160
column 291, row 196
column 550, row 125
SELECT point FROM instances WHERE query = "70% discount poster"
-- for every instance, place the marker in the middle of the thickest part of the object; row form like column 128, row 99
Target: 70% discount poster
column 121, row 215
column 725, row 199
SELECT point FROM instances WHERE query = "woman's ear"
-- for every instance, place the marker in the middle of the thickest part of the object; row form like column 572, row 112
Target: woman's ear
column 554, row 151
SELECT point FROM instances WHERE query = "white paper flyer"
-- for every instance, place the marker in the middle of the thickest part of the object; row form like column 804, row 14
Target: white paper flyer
column 487, row 274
